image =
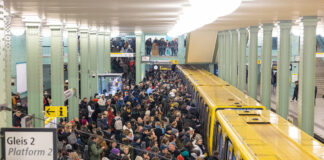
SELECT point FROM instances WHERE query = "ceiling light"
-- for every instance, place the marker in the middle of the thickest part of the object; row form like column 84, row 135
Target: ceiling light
column 17, row 31
column 320, row 31
column 31, row 19
column 202, row 12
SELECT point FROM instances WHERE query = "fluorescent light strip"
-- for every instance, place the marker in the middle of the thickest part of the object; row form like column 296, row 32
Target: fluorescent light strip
column 202, row 12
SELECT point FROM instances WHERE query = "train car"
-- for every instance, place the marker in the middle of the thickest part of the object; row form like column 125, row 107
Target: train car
column 213, row 98
column 262, row 134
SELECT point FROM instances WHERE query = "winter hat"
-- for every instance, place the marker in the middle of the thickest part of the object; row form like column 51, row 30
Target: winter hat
column 180, row 157
column 173, row 143
column 83, row 122
column 168, row 128
column 115, row 151
column 185, row 154
column 164, row 147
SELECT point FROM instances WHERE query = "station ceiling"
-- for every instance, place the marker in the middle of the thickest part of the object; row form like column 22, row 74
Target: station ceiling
column 154, row 16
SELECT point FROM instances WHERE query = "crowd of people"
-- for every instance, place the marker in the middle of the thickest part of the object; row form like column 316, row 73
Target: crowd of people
column 121, row 45
column 161, row 47
column 152, row 120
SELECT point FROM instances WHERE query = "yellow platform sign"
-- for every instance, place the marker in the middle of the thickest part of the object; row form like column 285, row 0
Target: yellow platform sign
column 56, row 111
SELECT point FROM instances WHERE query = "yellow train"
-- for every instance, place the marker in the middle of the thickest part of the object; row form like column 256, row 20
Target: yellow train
column 237, row 127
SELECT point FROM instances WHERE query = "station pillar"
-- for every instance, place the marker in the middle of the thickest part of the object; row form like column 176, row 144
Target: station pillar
column 5, row 66
column 100, row 58
column 73, row 72
column 84, row 60
column 107, row 59
column 283, row 69
column 57, row 66
column 100, row 52
column 93, row 62
column 266, row 65
column 34, row 72
column 223, row 55
column 181, row 49
column 253, row 59
column 227, row 56
column 306, row 97
column 218, row 51
column 234, row 58
column 138, row 58
column 242, row 60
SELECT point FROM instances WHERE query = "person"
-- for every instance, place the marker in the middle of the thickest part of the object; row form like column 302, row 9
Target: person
column 295, row 96
column 148, row 46
column 16, row 120
column 117, row 123
column 102, row 103
column 95, row 153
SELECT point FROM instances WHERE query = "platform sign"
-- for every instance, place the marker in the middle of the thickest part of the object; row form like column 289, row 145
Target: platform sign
column 55, row 111
column 29, row 144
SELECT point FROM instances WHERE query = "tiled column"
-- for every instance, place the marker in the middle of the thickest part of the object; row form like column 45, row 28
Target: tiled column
column 138, row 58
column 283, row 69
column 34, row 72
column 101, row 52
column 73, row 72
column 234, row 58
column 5, row 78
column 253, row 58
column 266, row 65
column 227, row 56
column 242, row 60
column 85, row 61
column 107, row 61
column 93, row 62
column 57, row 66
column 306, row 97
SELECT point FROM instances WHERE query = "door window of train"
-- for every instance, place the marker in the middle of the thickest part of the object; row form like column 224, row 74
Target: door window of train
column 229, row 150
column 220, row 145
column 215, row 139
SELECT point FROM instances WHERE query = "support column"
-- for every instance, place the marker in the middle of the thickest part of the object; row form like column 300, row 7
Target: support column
column 5, row 79
column 100, row 58
column 138, row 58
column 306, row 91
column 283, row 69
column 181, row 50
column 73, row 72
column 219, row 54
column 227, row 56
column 100, row 52
column 211, row 68
column 234, row 57
column 242, row 60
column 222, row 56
column 143, row 65
column 34, row 72
column 253, row 66
column 266, row 65
column 57, row 66
column 107, row 61
column 93, row 63
column 84, row 53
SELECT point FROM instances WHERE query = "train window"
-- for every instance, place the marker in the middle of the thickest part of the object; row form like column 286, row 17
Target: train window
column 229, row 149
column 220, row 144
column 215, row 137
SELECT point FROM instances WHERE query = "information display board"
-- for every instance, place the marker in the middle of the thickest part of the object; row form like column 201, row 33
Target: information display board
column 29, row 144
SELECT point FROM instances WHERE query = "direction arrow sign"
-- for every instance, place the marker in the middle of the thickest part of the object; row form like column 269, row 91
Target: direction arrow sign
column 29, row 143
column 55, row 111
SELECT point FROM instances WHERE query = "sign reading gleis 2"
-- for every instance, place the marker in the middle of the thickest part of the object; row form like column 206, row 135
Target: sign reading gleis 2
column 29, row 144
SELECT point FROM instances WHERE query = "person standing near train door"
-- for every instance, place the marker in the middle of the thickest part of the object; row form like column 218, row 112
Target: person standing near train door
column 295, row 96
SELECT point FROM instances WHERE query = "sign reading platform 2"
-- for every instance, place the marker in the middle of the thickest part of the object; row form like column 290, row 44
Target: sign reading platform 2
column 56, row 111
column 29, row 144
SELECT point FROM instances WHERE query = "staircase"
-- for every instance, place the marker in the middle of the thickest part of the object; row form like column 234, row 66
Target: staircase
column 319, row 77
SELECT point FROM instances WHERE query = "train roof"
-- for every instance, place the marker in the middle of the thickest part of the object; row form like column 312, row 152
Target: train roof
column 266, row 135
column 227, row 96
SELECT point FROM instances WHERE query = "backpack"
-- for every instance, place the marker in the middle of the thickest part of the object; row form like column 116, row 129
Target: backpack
column 72, row 139
column 118, row 124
